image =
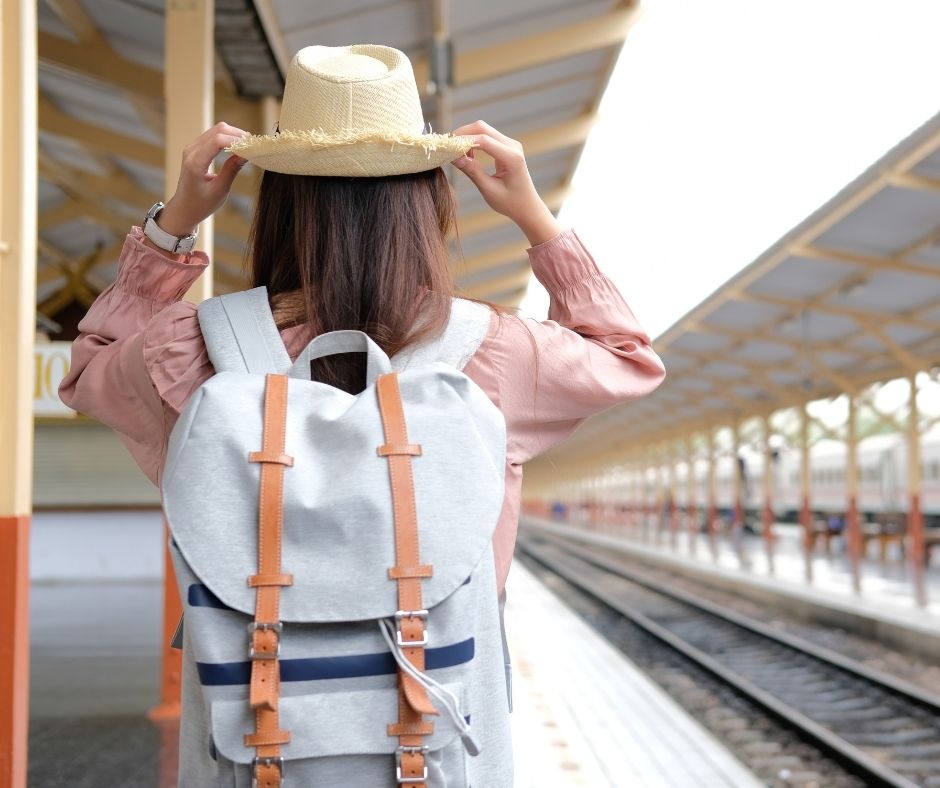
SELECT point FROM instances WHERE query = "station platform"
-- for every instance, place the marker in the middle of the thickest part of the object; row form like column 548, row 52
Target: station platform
column 884, row 609
column 583, row 714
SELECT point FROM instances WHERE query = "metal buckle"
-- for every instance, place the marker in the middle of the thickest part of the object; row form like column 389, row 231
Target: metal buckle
column 423, row 749
column 279, row 762
column 253, row 627
column 399, row 615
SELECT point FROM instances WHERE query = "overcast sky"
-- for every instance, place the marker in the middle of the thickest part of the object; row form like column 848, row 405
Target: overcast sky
column 727, row 122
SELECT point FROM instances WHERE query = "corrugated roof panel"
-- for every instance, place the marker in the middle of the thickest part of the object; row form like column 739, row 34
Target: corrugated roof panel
column 502, row 235
column 931, row 315
column 540, row 103
column 837, row 360
column 149, row 178
column 694, row 384
column 404, row 25
column 799, row 277
column 470, row 201
column 742, row 315
column 78, row 238
column 821, row 327
column 96, row 104
column 70, row 153
column 763, row 352
column 520, row 82
column 782, row 377
column 134, row 30
column 492, row 274
column 930, row 166
column 929, row 254
column 886, row 223
column 50, row 195
column 517, row 125
column 489, row 22
column 907, row 335
column 891, row 291
column 724, row 369
column 292, row 14
column 49, row 22
column 695, row 341
column 50, row 288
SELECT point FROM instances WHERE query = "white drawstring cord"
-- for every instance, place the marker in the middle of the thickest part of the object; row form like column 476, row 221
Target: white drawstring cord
column 444, row 695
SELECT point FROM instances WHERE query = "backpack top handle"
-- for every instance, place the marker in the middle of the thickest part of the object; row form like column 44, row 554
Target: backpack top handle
column 377, row 363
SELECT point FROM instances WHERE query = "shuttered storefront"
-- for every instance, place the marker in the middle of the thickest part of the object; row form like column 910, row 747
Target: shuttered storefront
column 82, row 464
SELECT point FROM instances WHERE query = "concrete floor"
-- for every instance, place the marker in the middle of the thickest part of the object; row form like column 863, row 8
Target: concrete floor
column 94, row 674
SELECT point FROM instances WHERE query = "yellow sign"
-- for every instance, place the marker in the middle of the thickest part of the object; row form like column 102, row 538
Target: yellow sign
column 53, row 360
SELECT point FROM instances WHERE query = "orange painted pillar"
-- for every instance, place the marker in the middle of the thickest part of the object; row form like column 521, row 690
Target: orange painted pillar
column 690, row 511
column 673, row 503
column 915, row 518
column 737, row 520
column 767, row 515
column 806, row 512
column 712, row 521
column 853, row 530
column 18, row 204
column 171, row 670
column 14, row 649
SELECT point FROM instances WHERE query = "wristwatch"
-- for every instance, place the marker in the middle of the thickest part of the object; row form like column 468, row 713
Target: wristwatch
column 171, row 243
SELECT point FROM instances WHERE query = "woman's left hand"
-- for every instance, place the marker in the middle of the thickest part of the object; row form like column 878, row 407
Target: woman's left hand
column 200, row 192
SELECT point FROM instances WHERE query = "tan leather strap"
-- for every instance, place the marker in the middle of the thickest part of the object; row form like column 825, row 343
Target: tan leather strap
column 413, row 700
column 265, row 631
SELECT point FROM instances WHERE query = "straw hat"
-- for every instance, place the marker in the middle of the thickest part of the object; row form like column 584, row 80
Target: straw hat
column 350, row 111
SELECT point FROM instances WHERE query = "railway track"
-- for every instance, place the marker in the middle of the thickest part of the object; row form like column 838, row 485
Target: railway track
column 878, row 727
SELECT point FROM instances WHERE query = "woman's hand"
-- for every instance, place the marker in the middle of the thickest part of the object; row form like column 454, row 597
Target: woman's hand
column 200, row 192
column 509, row 190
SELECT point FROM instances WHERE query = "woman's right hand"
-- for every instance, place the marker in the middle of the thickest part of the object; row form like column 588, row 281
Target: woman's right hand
column 200, row 192
column 509, row 190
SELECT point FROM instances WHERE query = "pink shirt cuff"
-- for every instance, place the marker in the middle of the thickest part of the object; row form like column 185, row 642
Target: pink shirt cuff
column 149, row 275
column 562, row 262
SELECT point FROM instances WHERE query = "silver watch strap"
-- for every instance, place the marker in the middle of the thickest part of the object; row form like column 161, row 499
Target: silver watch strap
column 163, row 239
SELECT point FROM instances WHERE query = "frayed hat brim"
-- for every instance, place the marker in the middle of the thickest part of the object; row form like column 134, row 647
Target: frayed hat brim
column 353, row 155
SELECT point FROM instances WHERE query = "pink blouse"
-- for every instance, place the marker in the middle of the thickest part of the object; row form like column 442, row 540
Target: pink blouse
column 140, row 356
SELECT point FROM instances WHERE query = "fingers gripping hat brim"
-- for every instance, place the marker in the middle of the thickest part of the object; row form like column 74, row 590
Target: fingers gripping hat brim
column 350, row 155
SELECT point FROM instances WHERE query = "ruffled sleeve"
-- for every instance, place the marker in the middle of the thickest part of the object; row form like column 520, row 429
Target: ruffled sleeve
column 139, row 354
column 589, row 355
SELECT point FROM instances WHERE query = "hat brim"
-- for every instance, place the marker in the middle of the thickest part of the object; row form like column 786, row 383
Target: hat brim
column 373, row 155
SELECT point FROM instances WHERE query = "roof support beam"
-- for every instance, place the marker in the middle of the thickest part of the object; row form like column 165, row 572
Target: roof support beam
column 103, row 64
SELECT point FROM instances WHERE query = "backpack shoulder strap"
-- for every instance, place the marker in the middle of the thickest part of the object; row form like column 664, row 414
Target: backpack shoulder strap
column 241, row 335
column 467, row 328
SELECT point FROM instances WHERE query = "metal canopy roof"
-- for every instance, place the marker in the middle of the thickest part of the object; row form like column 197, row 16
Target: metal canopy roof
column 535, row 69
column 849, row 297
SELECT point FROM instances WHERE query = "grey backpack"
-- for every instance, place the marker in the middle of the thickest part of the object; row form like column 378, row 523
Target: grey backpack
column 333, row 554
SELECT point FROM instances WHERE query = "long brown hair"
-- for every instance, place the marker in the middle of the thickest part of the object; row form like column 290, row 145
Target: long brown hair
column 355, row 253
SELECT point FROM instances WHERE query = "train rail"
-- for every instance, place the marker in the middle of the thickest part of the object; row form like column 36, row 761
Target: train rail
column 878, row 727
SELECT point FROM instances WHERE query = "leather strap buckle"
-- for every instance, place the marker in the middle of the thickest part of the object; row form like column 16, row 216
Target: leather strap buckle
column 399, row 615
column 403, row 780
column 263, row 626
column 279, row 762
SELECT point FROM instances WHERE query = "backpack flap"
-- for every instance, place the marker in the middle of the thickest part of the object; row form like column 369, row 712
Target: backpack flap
column 327, row 724
column 338, row 534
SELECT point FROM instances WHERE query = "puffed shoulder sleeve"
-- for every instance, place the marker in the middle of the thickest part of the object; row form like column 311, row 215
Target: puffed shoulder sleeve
column 139, row 353
column 589, row 355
